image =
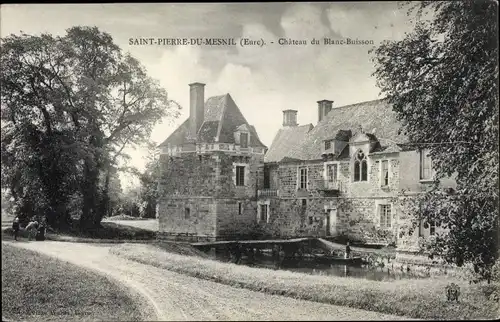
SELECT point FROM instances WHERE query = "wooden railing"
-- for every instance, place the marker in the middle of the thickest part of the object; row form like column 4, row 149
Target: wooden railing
column 326, row 185
column 267, row 193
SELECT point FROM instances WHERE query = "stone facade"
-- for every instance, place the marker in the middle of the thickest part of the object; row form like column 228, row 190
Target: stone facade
column 351, row 189
column 356, row 208
column 208, row 189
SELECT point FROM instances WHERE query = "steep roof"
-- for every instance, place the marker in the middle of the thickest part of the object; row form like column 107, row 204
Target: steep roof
column 221, row 118
column 285, row 140
column 375, row 117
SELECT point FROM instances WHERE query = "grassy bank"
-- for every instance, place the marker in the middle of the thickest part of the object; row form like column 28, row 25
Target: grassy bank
column 38, row 288
column 107, row 231
column 124, row 217
column 423, row 299
column 147, row 224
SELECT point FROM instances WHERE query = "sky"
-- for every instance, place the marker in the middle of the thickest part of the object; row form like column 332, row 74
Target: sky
column 262, row 80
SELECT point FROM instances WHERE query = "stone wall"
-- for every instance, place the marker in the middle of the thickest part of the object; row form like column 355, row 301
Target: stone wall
column 205, row 183
column 187, row 217
column 356, row 218
column 230, row 223
column 188, row 175
column 357, row 214
column 288, row 178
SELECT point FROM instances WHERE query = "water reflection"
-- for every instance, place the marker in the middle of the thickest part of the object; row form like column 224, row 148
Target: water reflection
column 312, row 267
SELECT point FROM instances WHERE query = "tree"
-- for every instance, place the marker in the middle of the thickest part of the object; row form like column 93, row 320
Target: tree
column 442, row 81
column 70, row 105
column 149, row 186
column 131, row 202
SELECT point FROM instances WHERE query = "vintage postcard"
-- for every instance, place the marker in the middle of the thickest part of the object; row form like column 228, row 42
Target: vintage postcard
column 250, row 161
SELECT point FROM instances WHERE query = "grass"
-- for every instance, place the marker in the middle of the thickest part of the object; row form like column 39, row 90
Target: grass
column 38, row 288
column 108, row 231
column 146, row 224
column 125, row 217
column 422, row 299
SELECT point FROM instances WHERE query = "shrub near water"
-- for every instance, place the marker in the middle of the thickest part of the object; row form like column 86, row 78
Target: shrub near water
column 37, row 287
column 423, row 299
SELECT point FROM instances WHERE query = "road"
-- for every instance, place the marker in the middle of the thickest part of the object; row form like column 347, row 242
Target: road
column 178, row 297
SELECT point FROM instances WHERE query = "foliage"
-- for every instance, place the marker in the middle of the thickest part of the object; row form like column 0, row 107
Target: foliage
column 70, row 105
column 130, row 203
column 442, row 81
column 149, row 187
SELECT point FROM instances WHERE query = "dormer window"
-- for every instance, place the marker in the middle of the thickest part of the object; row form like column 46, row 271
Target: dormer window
column 360, row 167
column 328, row 144
column 242, row 136
column 244, row 140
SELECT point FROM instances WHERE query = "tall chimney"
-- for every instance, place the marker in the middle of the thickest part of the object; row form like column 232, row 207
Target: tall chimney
column 324, row 107
column 196, row 107
column 290, row 118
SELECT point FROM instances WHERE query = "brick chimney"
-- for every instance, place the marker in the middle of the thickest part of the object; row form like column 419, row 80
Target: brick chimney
column 290, row 118
column 196, row 107
column 324, row 107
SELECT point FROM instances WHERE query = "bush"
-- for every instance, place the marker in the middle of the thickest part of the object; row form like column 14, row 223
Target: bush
column 495, row 271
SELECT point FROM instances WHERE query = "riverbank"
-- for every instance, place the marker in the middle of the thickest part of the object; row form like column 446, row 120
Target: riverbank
column 39, row 288
column 422, row 299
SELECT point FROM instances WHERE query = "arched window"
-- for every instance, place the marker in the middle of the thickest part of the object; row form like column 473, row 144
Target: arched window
column 360, row 167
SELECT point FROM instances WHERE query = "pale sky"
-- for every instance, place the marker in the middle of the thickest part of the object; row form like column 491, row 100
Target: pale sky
column 263, row 81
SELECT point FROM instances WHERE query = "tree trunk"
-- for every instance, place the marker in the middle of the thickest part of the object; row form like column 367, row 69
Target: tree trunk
column 104, row 208
column 88, row 220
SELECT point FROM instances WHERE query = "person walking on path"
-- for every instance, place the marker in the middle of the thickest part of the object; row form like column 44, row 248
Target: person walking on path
column 15, row 227
column 347, row 251
column 40, row 234
column 32, row 228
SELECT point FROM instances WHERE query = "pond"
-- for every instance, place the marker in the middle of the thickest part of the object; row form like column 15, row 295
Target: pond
column 310, row 266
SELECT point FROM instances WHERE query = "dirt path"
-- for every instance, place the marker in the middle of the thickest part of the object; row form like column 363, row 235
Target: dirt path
column 178, row 297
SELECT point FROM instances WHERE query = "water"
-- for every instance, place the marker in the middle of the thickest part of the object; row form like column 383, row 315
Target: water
column 309, row 266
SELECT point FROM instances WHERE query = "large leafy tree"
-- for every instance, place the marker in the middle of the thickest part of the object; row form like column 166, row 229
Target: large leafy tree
column 442, row 80
column 70, row 105
column 149, row 185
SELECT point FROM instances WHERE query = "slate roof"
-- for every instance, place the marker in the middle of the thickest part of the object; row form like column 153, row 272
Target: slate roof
column 221, row 119
column 285, row 140
column 375, row 117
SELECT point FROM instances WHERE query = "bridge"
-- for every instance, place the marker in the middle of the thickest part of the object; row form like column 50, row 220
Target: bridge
column 288, row 248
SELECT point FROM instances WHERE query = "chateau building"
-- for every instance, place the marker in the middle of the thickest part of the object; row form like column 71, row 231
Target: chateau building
column 210, row 169
column 341, row 176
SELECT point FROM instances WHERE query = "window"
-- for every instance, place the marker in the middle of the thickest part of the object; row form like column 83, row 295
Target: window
column 385, row 216
column 424, row 225
column 304, row 203
column 244, row 140
column 360, row 167
column 432, row 229
column 267, row 183
column 303, row 178
column 331, row 172
column 328, row 144
column 240, row 175
column 187, row 213
column 310, row 220
column 240, row 208
column 385, row 173
column 263, row 213
column 425, row 165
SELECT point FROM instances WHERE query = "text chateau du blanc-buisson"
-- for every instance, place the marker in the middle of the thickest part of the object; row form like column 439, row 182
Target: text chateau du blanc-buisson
column 234, row 42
